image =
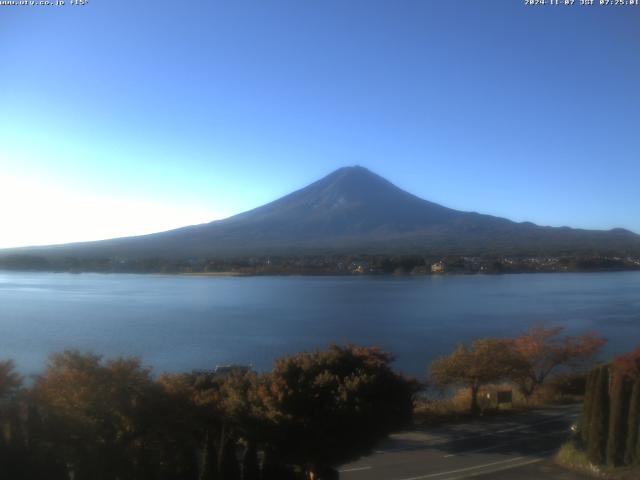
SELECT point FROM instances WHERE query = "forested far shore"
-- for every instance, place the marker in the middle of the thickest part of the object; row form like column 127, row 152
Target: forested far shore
column 331, row 264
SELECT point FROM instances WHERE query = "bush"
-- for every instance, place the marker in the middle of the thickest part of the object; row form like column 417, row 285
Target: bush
column 572, row 457
column 333, row 406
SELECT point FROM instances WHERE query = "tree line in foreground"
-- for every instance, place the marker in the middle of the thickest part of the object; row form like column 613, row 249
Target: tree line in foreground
column 610, row 423
column 86, row 417
column 89, row 418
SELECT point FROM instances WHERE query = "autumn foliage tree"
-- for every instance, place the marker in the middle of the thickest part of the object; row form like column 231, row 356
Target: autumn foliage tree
column 329, row 407
column 484, row 361
column 101, row 417
column 194, row 419
column 628, row 365
column 544, row 350
column 218, row 410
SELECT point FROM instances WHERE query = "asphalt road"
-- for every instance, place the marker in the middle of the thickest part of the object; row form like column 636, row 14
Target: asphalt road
column 512, row 447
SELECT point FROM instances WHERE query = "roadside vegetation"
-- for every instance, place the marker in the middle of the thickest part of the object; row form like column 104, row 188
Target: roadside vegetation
column 432, row 408
column 89, row 418
column 86, row 417
column 538, row 368
column 608, row 440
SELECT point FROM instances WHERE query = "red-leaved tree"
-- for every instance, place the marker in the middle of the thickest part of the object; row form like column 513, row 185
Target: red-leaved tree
column 544, row 350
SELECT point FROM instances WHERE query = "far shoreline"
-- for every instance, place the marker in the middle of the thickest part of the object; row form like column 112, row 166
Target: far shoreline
column 235, row 274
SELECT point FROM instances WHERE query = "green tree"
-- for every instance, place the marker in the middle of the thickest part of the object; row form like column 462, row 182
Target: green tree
column 632, row 448
column 598, row 422
column 628, row 366
column 587, row 406
column 329, row 407
column 485, row 361
column 618, row 418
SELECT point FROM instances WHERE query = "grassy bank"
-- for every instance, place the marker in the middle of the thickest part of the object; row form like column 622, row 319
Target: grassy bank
column 573, row 458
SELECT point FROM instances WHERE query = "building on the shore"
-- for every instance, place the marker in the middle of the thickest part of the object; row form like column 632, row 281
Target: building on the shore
column 359, row 267
column 438, row 267
column 223, row 371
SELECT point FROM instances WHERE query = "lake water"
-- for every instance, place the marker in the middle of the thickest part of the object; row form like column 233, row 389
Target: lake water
column 179, row 323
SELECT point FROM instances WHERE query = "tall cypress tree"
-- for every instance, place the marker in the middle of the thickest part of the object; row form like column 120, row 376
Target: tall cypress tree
column 587, row 407
column 632, row 450
column 598, row 424
column 619, row 400
column 637, row 456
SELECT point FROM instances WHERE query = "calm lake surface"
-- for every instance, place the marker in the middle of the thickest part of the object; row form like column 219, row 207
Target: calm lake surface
column 178, row 323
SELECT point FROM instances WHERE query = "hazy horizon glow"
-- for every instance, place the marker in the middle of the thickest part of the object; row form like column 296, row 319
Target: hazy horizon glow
column 70, row 216
column 123, row 118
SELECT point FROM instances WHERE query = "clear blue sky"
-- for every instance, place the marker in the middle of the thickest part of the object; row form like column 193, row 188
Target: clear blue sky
column 125, row 117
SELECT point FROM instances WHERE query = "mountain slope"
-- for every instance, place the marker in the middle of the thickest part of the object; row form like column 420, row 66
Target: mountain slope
column 353, row 210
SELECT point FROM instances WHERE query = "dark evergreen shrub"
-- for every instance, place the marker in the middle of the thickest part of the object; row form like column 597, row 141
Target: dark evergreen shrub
column 619, row 406
column 632, row 450
column 587, row 408
column 599, row 419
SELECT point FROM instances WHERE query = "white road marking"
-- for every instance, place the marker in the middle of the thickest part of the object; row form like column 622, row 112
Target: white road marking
column 474, row 435
column 540, row 458
column 355, row 469
column 491, row 447
column 478, row 450
column 495, row 470
column 460, row 470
